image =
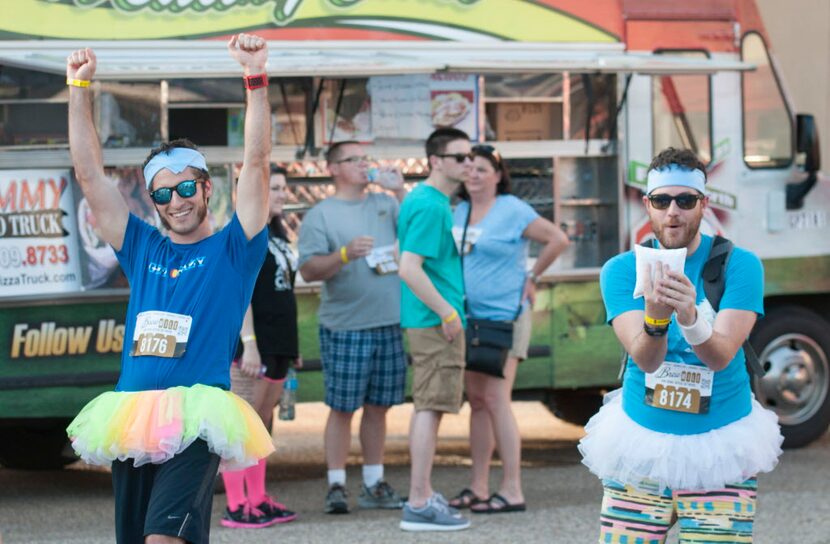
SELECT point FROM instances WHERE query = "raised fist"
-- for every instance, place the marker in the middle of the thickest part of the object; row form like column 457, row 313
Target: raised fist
column 81, row 65
column 250, row 51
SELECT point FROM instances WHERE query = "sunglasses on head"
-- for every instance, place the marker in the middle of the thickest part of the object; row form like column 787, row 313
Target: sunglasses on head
column 488, row 150
column 186, row 189
column 685, row 201
column 459, row 157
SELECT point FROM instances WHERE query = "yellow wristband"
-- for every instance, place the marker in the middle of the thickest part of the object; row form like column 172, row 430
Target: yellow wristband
column 249, row 338
column 344, row 257
column 657, row 322
column 77, row 82
column 451, row 317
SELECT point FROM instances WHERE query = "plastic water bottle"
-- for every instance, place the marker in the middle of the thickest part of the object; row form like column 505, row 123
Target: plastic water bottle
column 385, row 177
column 289, row 396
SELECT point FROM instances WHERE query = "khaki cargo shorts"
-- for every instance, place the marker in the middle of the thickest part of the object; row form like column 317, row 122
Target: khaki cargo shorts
column 437, row 370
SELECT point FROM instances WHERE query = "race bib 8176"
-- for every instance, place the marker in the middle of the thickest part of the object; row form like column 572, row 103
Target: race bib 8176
column 160, row 334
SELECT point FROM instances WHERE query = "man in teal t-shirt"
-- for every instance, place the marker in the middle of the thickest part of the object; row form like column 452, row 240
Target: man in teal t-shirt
column 432, row 302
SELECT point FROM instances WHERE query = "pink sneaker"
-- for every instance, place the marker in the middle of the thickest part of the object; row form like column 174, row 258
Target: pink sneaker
column 247, row 517
column 277, row 510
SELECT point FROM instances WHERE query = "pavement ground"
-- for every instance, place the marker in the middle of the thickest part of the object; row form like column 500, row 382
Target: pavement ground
column 75, row 505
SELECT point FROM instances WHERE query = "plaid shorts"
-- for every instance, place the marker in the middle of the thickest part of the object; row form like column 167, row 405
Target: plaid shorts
column 363, row 367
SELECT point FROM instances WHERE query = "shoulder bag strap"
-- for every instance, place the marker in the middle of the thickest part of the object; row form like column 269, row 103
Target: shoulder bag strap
column 463, row 240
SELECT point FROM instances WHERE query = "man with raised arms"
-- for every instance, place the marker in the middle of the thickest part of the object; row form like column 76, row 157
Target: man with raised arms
column 172, row 420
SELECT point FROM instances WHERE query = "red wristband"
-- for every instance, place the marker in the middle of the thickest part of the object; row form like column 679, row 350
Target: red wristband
column 257, row 81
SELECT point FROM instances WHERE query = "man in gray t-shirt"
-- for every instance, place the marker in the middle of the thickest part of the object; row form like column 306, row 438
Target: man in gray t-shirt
column 348, row 242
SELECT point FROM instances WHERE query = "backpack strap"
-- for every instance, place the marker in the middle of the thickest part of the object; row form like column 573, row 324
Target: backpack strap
column 714, row 284
column 714, row 271
column 752, row 360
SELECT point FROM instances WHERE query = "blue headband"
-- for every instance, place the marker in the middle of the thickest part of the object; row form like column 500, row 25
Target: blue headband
column 175, row 160
column 676, row 175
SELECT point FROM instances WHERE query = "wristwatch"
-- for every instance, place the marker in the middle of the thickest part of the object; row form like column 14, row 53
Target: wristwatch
column 257, row 81
column 655, row 331
column 533, row 277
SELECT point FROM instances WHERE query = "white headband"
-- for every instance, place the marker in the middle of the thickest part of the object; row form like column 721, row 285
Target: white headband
column 175, row 160
column 676, row 175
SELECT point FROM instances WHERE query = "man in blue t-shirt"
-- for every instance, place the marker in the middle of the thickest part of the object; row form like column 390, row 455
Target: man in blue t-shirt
column 677, row 434
column 171, row 420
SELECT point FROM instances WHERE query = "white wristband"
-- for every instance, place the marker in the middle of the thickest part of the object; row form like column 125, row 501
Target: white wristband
column 698, row 332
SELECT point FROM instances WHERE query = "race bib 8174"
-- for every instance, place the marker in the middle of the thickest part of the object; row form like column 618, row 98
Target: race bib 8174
column 680, row 387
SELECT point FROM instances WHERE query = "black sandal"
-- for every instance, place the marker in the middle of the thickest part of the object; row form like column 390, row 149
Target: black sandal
column 497, row 504
column 465, row 499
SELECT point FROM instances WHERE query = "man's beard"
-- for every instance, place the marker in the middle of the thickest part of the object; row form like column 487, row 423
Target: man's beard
column 690, row 229
column 201, row 213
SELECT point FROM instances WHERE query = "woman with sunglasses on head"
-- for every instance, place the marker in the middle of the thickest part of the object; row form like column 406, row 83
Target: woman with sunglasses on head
column 269, row 345
column 498, row 287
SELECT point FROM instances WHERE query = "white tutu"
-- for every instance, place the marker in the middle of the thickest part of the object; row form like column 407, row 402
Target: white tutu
column 616, row 447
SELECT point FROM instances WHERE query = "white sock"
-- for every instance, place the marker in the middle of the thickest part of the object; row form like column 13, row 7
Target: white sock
column 372, row 474
column 337, row 476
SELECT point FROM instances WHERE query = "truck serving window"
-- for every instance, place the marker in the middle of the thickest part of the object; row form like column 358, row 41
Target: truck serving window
column 214, row 109
column 32, row 108
column 768, row 139
column 524, row 106
column 129, row 114
column 681, row 111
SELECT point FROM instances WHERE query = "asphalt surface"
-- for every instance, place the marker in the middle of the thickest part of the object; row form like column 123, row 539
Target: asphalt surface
column 75, row 505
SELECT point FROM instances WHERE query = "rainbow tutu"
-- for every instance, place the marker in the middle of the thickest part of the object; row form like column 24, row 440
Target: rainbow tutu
column 153, row 426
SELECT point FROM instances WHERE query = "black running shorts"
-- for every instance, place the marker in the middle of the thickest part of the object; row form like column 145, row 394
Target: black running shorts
column 276, row 366
column 173, row 498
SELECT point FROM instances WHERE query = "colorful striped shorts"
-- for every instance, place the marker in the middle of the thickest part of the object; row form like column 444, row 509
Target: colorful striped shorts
column 644, row 514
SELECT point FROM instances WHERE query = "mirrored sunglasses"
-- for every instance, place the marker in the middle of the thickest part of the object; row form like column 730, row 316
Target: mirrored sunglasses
column 186, row 189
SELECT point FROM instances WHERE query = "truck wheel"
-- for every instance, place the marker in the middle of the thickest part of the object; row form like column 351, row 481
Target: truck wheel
column 793, row 345
column 577, row 406
column 39, row 446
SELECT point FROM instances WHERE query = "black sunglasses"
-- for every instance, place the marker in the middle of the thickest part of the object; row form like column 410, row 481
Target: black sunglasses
column 186, row 189
column 459, row 157
column 685, row 201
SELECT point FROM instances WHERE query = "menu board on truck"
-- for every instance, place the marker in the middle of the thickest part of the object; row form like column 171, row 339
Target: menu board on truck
column 411, row 106
column 38, row 234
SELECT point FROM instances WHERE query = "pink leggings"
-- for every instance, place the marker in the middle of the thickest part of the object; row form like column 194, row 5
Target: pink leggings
column 236, row 481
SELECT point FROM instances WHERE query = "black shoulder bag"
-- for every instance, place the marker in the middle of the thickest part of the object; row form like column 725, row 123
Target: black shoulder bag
column 488, row 341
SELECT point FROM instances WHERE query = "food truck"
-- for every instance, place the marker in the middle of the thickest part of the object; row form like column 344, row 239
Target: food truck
column 577, row 96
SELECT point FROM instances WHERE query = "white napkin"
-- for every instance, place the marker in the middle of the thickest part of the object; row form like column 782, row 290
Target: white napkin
column 674, row 258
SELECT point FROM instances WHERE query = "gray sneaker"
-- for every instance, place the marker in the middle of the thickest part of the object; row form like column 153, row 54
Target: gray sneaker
column 434, row 516
column 380, row 495
column 337, row 500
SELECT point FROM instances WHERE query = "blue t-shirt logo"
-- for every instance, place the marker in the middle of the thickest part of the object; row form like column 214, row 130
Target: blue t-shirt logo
column 160, row 270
